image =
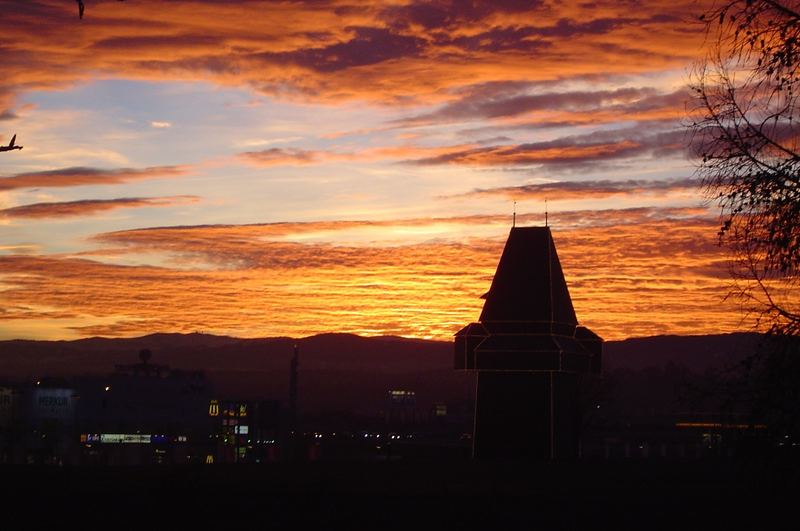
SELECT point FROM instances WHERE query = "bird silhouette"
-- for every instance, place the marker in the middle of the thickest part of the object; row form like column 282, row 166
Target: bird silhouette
column 82, row 8
column 10, row 145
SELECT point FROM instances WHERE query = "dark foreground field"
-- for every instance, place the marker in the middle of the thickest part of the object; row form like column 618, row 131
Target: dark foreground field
column 406, row 495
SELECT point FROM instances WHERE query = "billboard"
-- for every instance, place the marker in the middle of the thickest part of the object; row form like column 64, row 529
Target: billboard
column 53, row 404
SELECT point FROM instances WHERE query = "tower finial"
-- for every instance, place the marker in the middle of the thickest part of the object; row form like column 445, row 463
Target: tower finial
column 514, row 217
column 545, row 212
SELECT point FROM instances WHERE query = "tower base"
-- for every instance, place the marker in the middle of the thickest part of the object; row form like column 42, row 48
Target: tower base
column 526, row 415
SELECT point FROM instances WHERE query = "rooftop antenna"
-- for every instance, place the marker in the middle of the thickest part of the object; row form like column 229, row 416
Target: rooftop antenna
column 514, row 217
column 545, row 212
column 293, row 364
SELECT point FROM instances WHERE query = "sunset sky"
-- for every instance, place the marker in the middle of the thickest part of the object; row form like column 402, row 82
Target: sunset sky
column 289, row 168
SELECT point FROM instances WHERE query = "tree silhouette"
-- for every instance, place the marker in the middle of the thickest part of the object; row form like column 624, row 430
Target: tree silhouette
column 744, row 124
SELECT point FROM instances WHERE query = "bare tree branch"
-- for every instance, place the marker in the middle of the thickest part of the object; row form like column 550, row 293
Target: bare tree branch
column 747, row 140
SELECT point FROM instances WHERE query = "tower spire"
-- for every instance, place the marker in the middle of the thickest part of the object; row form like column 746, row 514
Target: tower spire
column 545, row 212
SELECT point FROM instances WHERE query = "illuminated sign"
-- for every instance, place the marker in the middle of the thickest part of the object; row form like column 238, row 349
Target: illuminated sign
column 401, row 396
column 124, row 438
column 242, row 430
column 213, row 409
column 53, row 404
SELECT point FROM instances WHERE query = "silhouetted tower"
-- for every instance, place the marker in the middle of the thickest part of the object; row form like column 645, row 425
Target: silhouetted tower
column 293, row 390
column 528, row 350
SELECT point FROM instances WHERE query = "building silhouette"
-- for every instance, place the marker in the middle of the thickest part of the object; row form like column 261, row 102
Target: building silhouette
column 530, row 354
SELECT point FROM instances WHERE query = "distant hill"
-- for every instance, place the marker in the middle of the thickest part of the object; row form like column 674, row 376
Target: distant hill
column 331, row 352
column 696, row 353
column 338, row 371
column 209, row 352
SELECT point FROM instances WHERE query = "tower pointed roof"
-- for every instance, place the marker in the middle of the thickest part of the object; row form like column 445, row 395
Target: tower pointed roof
column 529, row 284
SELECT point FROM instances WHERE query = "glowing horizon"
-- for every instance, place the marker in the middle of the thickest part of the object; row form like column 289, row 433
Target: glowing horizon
column 285, row 169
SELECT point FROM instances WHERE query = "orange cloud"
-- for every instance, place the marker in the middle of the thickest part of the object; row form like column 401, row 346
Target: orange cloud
column 291, row 156
column 651, row 271
column 87, row 207
column 341, row 50
column 243, row 244
column 570, row 151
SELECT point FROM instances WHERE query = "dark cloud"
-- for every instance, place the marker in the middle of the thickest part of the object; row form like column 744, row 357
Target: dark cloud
column 446, row 14
column 500, row 101
column 653, row 138
column 284, row 156
column 87, row 207
column 566, row 28
column 499, row 40
column 494, row 140
column 589, row 189
column 368, row 46
column 86, row 176
column 589, row 118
